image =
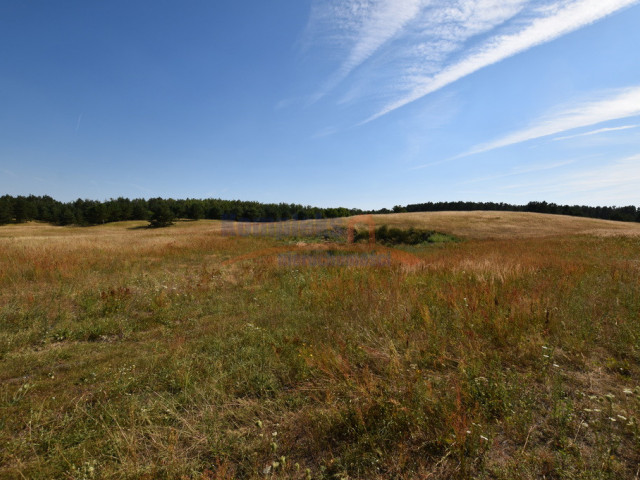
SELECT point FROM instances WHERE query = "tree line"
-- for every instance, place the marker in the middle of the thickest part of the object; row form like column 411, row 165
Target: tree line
column 158, row 211
column 161, row 212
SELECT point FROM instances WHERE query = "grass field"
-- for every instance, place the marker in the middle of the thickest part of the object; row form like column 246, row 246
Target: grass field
column 180, row 353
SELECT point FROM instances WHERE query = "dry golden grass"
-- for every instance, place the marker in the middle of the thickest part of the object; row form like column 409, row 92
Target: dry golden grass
column 127, row 352
column 505, row 225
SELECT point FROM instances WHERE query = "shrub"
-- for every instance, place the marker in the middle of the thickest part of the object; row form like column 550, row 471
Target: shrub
column 398, row 236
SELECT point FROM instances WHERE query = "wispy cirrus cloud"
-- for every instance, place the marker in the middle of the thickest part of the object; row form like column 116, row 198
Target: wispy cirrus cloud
column 365, row 26
column 612, row 106
column 412, row 48
column 596, row 132
column 621, row 173
column 520, row 171
column 615, row 182
column 421, row 32
column 555, row 22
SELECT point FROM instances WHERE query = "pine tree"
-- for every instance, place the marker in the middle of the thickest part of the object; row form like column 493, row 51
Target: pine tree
column 195, row 210
column 162, row 215
column 6, row 212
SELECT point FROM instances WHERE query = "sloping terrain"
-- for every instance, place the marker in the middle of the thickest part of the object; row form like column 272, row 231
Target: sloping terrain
column 128, row 352
column 481, row 224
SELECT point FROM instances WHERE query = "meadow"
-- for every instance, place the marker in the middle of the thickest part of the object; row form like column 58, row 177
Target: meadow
column 513, row 352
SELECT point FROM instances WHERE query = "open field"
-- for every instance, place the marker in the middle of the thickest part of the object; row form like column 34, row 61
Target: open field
column 181, row 353
column 508, row 225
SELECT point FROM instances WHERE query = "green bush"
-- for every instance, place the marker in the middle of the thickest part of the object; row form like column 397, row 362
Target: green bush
column 397, row 236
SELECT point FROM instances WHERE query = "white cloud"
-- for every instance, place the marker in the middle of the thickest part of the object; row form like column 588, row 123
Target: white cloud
column 385, row 20
column 366, row 25
column 325, row 132
column 622, row 172
column 622, row 104
column 520, row 171
column 410, row 48
column 613, row 183
column 357, row 29
column 559, row 21
column 596, row 132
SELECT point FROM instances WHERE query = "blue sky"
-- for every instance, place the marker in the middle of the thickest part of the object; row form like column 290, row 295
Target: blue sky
column 357, row 103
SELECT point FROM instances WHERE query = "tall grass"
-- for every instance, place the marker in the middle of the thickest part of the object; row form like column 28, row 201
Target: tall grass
column 130, row 353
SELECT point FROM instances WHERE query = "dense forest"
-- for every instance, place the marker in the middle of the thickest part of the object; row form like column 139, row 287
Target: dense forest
column 91, row 212
column 159, row 211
